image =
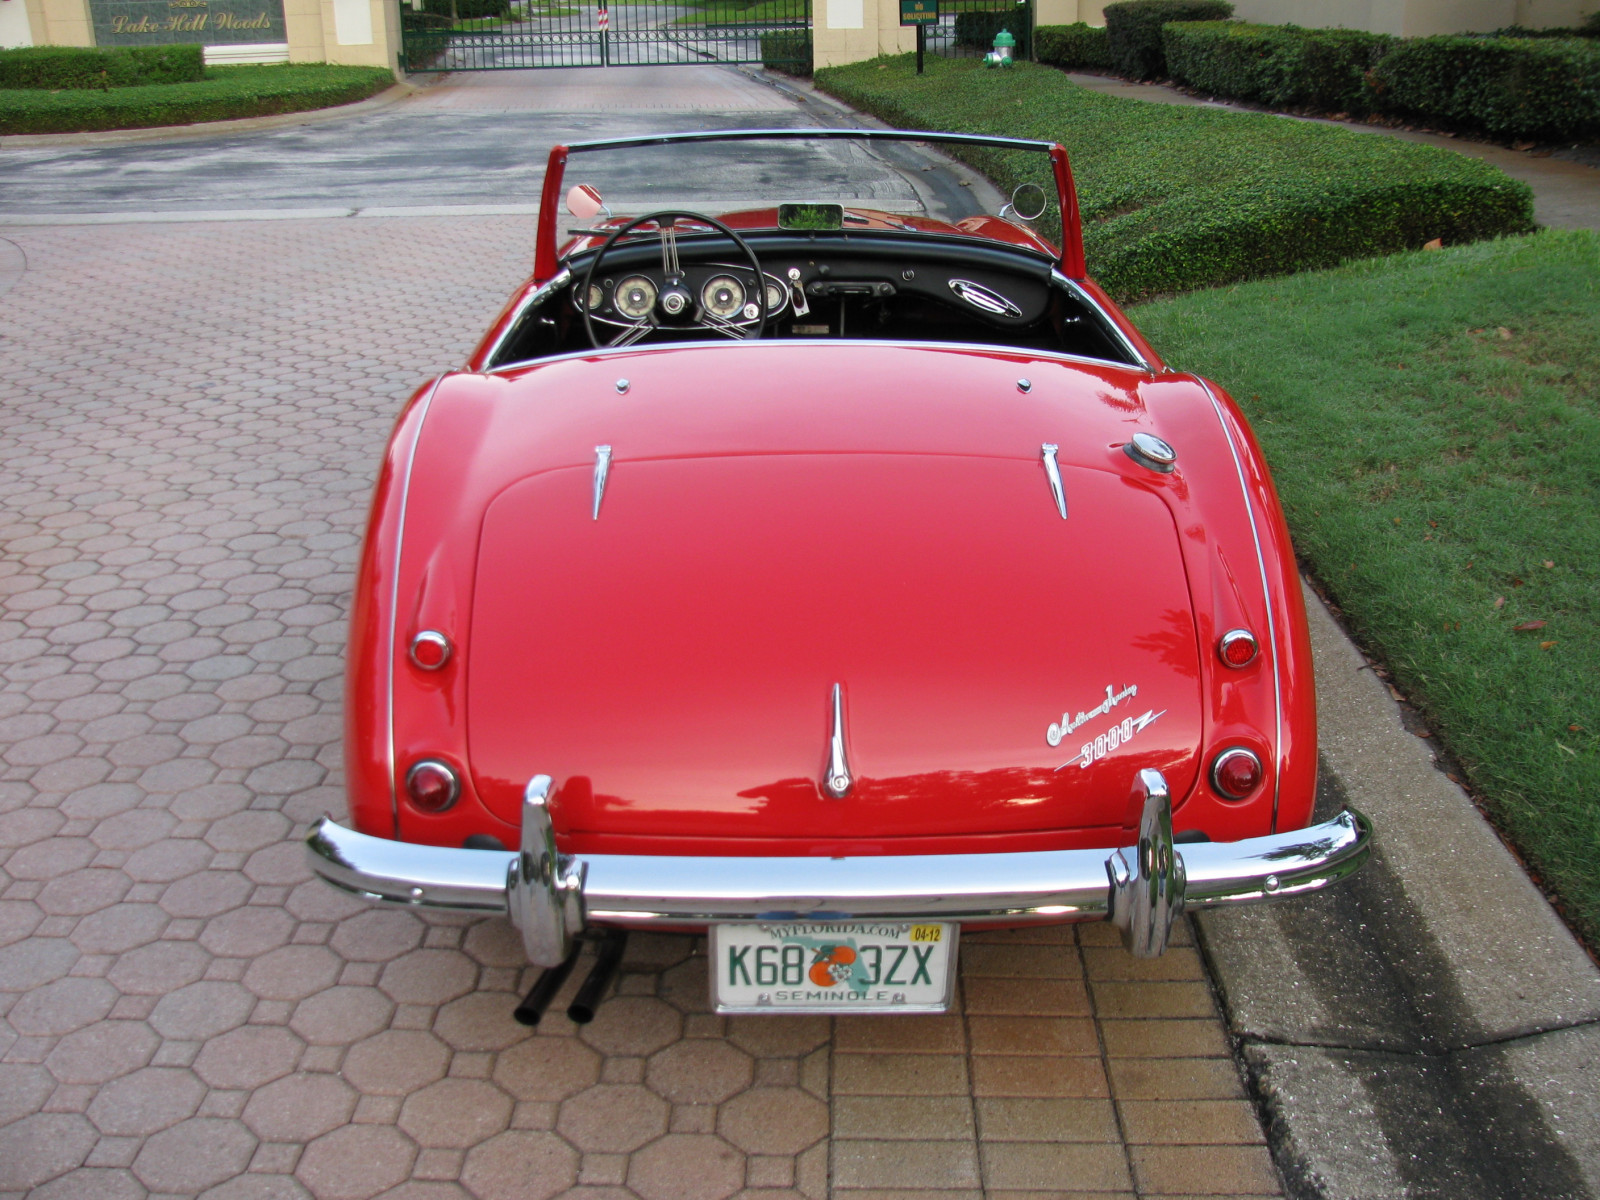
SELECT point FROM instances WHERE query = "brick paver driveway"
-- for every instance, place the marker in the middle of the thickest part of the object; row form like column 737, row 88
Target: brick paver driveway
column 190, row 416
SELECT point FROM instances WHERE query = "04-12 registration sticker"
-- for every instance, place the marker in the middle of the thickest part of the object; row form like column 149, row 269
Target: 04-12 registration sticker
column 833, row 966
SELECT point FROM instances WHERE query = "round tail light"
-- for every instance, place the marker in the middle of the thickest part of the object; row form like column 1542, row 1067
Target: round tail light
column 1235, row 773
column 1237, row 648
column 432, row 785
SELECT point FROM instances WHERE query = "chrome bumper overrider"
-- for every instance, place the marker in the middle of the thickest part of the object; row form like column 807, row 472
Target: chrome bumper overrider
column 551, row 896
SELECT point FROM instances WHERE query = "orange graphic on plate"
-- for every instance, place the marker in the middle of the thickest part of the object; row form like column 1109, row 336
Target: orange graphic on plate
column 832, row 965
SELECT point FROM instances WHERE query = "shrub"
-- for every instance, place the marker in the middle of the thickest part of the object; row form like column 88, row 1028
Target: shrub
column 978, row 29
column 60, row 67
column 1180, row 198
column 1073, row 46
column 789, row 52
column 226, row 93
column 468, row 10
column 1280, row 65
column 1503, row 87
column 1133, row 31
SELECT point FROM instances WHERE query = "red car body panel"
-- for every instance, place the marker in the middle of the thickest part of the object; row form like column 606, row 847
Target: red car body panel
column 815, row 456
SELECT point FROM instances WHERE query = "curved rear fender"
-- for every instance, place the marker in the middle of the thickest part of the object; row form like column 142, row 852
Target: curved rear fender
column 1241, row 574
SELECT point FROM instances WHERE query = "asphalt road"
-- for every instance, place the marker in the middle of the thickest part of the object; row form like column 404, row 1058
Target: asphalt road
column 480, row 140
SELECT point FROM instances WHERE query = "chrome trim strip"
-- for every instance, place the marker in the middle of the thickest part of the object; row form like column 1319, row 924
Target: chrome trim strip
column 1266, row 596
column 839, row 781
column 1052, row 472
column 393, row 641
column 1112, row 327
column 602, row 468
column 559, row 280
column 989, row 348
column 1023, row 887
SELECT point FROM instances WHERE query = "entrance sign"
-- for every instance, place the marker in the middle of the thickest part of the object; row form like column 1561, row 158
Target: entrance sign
column 169, row 22
column 919, row 12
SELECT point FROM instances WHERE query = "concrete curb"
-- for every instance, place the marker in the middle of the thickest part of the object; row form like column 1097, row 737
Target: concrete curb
column 387, row 98
column 1430, row 1028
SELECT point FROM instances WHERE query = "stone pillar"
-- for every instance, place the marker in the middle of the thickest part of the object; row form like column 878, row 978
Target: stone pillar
column 357, row 33
column 847, row 31
column 58, row 22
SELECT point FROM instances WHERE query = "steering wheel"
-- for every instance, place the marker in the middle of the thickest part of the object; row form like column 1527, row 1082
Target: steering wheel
column 676, row 307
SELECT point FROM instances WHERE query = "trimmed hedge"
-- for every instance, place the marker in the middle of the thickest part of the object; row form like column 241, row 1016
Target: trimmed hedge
column 1175, row 198
column 1070, row 47
column 226, row 93
column 1280, row 65
column 1133, row 31
column 788, row 52
column 977, row 30
column 1504, row 87
column 58, row 68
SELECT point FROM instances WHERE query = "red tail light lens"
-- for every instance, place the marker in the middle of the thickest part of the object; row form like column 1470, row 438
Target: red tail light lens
column 430, row 650
column 1235, row 773
column 432, row 785
column 1237, row 648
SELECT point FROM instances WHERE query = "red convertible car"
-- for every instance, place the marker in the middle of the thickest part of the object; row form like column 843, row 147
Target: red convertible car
column 829, row 580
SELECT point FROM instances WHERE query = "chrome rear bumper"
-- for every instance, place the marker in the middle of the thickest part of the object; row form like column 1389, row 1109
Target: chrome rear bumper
column 551, row 896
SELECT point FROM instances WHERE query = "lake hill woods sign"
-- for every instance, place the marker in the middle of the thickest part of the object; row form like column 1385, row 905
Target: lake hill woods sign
column 164, row 22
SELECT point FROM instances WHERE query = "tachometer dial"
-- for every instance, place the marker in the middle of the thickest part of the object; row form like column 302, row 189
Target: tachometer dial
column 636, row 296
column 723, row 296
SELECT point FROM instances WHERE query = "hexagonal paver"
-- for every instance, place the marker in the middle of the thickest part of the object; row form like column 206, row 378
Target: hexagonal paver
column 248, row 1057
column 687, row 1166
column 480, row 1021
column 773, row 1120
column 194, row 1155
column 457, row 1113
column 101, row 1052
column 201, row 1010
column 340, row 1016
column 699, row 1071
column 520, row 1165
column 613, row 1118
column 355, row 1162
column 547, row 1068
column 62, row 1006
column 299, row 1108
column 778, row 1036
column 146, row 1101
column 633, row 1025
column 428, row 977
column 396, row 1062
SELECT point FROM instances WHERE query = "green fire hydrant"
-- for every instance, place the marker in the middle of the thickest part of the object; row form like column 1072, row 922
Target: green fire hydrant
column 1000, row 56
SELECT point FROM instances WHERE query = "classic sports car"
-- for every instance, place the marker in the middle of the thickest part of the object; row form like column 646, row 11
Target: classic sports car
column 831, row 580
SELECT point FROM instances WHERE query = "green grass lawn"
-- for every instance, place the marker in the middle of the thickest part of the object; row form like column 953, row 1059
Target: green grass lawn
column 1178, row 198
column 737, row 12
column 226, row 93
column 1433, row 423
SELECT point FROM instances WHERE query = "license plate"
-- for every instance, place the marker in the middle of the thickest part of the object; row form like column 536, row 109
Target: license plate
column 833, row 966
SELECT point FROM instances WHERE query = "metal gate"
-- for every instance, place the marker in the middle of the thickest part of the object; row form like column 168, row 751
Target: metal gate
column 489, row 35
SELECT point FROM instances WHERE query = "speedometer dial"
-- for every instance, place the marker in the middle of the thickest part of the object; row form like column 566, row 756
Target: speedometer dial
column 636, row 296
column 723, row 296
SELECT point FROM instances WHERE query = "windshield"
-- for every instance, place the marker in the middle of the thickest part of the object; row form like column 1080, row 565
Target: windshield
column 806, row 178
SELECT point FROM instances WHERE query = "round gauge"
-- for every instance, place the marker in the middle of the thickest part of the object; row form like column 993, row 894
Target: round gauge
column 636, row 296
column 723, row 296
column 596, row 297
column 776, row 295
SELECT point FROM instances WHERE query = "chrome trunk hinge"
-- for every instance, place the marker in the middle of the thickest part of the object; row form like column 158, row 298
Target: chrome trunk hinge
column 839, row 781
column 1052, row 471
column 1147, row 893
column 602, row 468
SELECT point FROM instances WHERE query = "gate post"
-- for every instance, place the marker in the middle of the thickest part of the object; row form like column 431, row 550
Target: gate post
column 847, row 31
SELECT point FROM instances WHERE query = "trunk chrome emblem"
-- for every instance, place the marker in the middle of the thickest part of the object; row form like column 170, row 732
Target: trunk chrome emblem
column 602, row 468
column 1052, row 470
column 1055, row 733
column 839, row 782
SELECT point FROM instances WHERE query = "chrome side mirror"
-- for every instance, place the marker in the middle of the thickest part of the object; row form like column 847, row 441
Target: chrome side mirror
column 585, row 203
column 1027, row 203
